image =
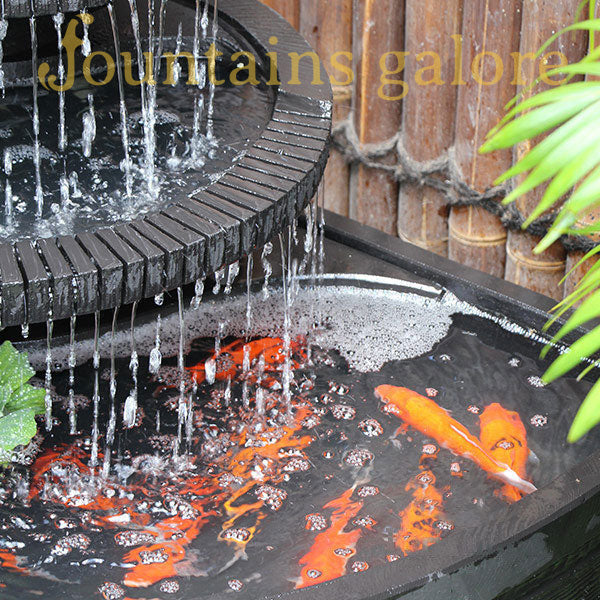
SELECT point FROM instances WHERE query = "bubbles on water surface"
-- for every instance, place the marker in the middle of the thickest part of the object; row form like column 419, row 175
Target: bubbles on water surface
column 235, row 584
column 316, row 522
column 536, row 381
column 539, row 420
column 358, row 457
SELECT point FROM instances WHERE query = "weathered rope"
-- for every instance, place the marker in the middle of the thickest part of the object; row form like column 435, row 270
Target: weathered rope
column 442, row 174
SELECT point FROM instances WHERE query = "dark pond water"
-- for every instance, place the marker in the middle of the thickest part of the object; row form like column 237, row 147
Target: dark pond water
column 254, row 504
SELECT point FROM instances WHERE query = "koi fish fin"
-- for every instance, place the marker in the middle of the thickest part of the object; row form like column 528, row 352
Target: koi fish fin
column 533, row 458
column 510, row 477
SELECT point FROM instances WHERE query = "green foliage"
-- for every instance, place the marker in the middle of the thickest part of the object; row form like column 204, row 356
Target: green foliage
column 19, row 401
column 567, row 161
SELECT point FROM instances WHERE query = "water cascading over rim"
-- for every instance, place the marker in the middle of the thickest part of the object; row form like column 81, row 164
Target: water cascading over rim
column 104, row 267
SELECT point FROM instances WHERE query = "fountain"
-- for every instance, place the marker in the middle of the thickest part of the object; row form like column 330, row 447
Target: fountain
column 204, row 437
column 95, row 248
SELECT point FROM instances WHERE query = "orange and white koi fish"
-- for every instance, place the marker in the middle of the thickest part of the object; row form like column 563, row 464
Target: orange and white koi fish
column 503, row 435
column 424, row 415
column 418, row 520
column 332, row 548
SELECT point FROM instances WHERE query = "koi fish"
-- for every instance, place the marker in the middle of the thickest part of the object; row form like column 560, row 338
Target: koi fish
column 332, row 548
column 503, row 435
column 424, row 415
column 10, row 561
column 231, row 357
column 418, row 520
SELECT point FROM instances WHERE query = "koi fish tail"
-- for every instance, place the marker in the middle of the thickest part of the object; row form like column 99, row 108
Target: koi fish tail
column 511, row 478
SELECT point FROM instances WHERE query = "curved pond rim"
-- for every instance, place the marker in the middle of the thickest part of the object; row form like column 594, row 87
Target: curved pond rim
column 467, row 547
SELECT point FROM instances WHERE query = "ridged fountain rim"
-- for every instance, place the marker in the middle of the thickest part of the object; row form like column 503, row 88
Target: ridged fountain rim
column 56, row 278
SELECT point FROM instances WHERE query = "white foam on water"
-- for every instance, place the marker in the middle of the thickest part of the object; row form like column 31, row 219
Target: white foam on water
column 368, row 327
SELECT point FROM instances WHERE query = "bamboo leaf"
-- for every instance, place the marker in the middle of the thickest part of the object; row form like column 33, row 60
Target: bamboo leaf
column 565, row 132
column 585, row 371
column 588, row 415
column 538, row 121
column 580, row 262
column 560, row 226
column 591, row 57
column 588, row 25
column 580, row 68
column 589, row 310
column 573, row 172
column 582, row 348
column 573, row 147
column 586, row 195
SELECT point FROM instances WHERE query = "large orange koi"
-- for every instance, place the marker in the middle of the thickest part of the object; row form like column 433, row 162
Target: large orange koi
column 424, row 415
column 503, row 435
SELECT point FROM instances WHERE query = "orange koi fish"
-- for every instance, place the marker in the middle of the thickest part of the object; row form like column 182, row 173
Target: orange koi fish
column 332, row 548
column 10, row 561
column 231, row 357
column 418, row 529
column 424, row 415
column 503, row 435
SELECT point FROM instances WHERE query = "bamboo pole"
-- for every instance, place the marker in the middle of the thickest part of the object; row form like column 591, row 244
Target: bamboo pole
column 378, row 29
column 478, row 238
column 428, row 117
column 288, row 9
column 328, row 28
column 542, row 273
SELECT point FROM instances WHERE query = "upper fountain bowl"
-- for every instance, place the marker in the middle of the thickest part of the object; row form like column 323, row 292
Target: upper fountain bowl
column 265, row 148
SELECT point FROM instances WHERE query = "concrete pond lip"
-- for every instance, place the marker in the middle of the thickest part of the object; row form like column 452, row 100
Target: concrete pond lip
column 256, row 198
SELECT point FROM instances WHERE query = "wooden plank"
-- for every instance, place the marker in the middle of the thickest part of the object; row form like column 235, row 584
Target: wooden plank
column 542, row 273
column 476, row 237
column 288, row 9
column 327, row 26
column 379, row 29
column 428, row 117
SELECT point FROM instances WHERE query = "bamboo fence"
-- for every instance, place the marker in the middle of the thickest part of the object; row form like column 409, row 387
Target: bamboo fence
column 453, row 96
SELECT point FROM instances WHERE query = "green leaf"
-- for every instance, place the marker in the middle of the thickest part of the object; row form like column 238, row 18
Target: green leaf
column 583, row 373
column 573, row 172
column 588, row 415
column 580, row 262
column 539, row 121
column 27, row 397
column 580, row 68
column 17, row 429
column 589, row 310
column 586, row 195
column 576, row 144
column 559, row 228
column 582, row 348
column 589, row 25
column 547, row 145
column 14, row 367
column 19, row 401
